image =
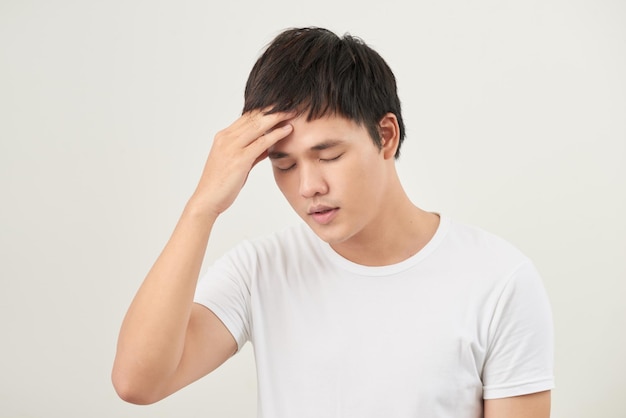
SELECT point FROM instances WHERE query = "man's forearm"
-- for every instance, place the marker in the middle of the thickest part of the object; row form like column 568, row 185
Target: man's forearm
column 152, row 336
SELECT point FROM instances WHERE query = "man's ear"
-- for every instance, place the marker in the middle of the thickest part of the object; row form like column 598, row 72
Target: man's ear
column 389, row 135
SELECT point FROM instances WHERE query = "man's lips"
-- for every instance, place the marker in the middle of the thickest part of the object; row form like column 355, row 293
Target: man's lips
column 323, row 214
column 319, row 209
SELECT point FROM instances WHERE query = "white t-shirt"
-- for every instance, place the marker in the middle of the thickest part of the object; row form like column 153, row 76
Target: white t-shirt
column 465, row 319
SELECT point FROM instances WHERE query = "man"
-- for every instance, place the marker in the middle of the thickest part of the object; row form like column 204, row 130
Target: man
column 372, row 307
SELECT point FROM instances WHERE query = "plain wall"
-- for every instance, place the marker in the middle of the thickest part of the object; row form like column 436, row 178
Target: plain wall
column 516, row 117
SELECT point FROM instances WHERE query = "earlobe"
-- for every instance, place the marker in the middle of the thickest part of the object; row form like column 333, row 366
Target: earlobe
column 389, row 135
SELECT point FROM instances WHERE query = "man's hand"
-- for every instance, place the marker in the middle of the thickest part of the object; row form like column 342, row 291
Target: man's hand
column 167, row 342
column 235, row 151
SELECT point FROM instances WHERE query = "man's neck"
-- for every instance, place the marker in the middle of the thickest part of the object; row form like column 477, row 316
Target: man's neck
column 400, row 232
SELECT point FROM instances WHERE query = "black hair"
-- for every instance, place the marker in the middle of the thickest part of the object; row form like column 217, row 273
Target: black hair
column 311, row 70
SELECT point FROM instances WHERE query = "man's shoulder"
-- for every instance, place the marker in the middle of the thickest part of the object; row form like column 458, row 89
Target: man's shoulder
column 474, row 235
column 480, row 244
column 291, row 236
column 481, row 260
column 290, row 240
column 283, row 250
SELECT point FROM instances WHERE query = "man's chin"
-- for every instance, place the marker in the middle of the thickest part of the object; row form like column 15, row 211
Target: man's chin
column 328, row 234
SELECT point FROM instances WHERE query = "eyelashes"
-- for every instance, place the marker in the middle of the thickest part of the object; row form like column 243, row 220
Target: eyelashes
column 285, row 169
column 322, row 160
column 326, row 160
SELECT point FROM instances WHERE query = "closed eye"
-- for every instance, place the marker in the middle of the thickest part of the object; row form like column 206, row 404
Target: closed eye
column 291, row 167
column 326, row 160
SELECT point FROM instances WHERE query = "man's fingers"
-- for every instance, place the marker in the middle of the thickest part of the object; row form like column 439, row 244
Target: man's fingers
column 253, row 125
column 265, row 141
column 260, row 158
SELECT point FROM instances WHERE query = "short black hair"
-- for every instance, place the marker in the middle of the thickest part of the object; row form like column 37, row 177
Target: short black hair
column 313, row 70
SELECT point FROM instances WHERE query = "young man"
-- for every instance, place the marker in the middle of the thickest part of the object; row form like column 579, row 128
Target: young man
column 372, row 307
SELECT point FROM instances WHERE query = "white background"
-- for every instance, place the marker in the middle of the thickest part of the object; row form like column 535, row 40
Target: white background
column 516, row 117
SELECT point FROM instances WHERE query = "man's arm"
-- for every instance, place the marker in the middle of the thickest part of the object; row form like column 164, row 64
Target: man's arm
column 534, row 405
column 166, row 341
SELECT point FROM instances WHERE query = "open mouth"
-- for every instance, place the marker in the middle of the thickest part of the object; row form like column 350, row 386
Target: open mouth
column 323, row 216
column 323, row 211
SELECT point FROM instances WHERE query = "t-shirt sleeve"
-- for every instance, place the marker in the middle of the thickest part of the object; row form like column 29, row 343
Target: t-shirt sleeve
column 519, row 359
column 224, row 288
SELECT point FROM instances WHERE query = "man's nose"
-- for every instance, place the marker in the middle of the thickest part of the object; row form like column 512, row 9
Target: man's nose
column 312, row 181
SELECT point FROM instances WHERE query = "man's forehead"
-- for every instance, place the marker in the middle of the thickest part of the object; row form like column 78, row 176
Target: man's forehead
column 317, row 134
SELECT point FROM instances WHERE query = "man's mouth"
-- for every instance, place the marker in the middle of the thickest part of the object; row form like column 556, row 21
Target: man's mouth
column 323, row 215
column 322, row 211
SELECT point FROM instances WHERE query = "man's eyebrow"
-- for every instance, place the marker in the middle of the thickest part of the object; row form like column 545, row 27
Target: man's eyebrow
column 276, row 155
column 326, row 144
